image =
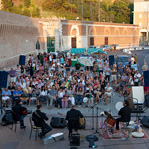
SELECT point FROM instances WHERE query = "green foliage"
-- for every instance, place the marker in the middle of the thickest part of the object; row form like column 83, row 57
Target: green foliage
column 26, row 12
column 118, row 12
column 47, row 5
column 7, row 5
column 27, row 3
column 20, row 6
column 17, row 10
column 122, row 11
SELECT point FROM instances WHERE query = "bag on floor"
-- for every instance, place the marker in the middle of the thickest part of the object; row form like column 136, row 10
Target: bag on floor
column 145, row 121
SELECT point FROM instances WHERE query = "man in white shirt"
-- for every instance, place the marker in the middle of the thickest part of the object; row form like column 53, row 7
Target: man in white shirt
column 137, row 78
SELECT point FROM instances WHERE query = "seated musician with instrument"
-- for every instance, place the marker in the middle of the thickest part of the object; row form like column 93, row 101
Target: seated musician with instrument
column 39, row 118
column 125, row 114
column 19, row 113
column 73, row 119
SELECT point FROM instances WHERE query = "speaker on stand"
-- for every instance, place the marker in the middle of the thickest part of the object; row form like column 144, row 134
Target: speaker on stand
column 22, row 60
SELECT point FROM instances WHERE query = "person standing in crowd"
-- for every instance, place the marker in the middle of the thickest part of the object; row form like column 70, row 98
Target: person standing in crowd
column 113, row 74
column 77, row 67
column 73, row 119
column 67, row 67
column 18, row 113
column 137, row 78
column 18, row 71
column 136, row 58
column 41, row 59
column 39, row 119
column 12, row 74
column 132, row 60
column 120, row 68
column 144, row 67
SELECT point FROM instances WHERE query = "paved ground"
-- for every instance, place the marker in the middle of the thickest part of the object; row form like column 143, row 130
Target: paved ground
column 20, row 139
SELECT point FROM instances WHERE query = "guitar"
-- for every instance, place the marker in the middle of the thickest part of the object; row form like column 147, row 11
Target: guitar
column 25, row 112
column 81, row 120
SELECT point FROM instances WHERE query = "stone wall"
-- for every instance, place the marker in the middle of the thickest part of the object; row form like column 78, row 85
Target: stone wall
column 18, row 35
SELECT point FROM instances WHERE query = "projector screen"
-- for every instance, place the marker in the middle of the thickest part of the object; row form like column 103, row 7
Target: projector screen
column 138, row 93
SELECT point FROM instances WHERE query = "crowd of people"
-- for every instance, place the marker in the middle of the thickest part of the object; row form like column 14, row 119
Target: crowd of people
column 52, row 80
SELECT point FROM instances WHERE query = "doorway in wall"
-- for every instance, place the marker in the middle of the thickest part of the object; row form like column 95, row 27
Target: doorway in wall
column 74, row 42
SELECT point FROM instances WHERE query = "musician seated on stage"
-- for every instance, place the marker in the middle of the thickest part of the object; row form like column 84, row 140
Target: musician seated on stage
column 73, row 119
column 125, row 114
column 18, row 113
column 39, row 118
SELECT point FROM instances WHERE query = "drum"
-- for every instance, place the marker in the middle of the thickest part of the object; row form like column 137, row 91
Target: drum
column 119, row 105
column 110, row 122
column 85, row 99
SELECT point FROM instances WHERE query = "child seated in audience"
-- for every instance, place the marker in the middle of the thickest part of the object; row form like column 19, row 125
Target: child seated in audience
column 65, row 101
column 33, row 97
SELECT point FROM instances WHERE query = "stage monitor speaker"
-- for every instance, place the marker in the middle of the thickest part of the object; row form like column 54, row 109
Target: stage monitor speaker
column 22, row 60
column 3, row 79
column 58, row 122
column 111, row 60
column 146, row 78
column 74, row 139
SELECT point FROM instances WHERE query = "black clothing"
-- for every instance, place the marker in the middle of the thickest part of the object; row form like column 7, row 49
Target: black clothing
column 17, row 110
column 67, row 66
column 89, row 95
column 39, row 120
column 78, row 66
column 17, row 114
column 11, row 88
column 125, row 113
column 73, row 119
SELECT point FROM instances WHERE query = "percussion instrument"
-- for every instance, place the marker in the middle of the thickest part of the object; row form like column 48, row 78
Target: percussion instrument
column 138, row 134
column 110, row 121
column 85, row 99
column 119, row 105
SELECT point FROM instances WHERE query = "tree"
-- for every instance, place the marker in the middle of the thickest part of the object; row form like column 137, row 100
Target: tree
column 121, row 11
column 26, row 12
column 47, row 5
column 27, row 3
column 7, row 5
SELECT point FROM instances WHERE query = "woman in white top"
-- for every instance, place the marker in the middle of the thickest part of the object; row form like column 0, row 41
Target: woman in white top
column 23, row 85
column 70, row 93
column 61, row 93
column 43, row 95
column 108, row 91
column 18, row 71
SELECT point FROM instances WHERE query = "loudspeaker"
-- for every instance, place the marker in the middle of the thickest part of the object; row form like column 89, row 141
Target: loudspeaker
column 22, row 60
column 3, row 79
column 58, row 122
column 146, row 78
column 74, row 139
column 111, row 60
